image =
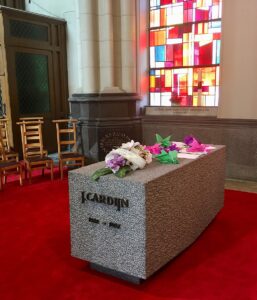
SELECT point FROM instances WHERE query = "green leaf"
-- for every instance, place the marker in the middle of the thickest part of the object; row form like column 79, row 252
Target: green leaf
column 173, row 157
column 165, row 142
column 100, row 172
column 123, row 171
column 158, row 138
column 168, row 158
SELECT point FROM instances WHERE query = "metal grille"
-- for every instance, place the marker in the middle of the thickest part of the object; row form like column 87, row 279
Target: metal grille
column 28, row 30
column 32, row 83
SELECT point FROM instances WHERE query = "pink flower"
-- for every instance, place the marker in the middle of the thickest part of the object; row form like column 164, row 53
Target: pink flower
column 195, row 146
column 155, row 149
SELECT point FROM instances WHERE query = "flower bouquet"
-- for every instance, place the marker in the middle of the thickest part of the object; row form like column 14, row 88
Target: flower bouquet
column 164, row 150
column 129, row 157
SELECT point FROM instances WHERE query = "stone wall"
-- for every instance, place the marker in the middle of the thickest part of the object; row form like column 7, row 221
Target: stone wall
column 239, row 136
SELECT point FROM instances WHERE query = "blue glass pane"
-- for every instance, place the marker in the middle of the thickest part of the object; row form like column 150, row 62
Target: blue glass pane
column 160, row 53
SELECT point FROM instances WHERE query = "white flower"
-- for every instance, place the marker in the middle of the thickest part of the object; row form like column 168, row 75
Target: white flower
column 137, row 162
column 129, row 145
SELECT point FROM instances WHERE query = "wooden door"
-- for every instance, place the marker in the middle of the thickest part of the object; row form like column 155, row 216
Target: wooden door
column 33, row 91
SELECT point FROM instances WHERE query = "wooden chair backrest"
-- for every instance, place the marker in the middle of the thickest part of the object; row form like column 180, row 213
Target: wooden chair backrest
column 32, row 119
column 2, row 149
column 31, row 137
column 4, row 133
column 66, row 135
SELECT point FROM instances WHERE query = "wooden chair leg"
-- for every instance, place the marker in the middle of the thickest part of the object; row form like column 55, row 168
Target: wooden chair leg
column 43, row 171
column 61, row 169
column 21, row 175
column 1, row 182
column 52, row 171
column 29, row 171
column 4, row 177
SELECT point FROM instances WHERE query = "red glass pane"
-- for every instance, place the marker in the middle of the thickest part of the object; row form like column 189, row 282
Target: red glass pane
column 180, row 31
column 183, row 100
column 183, row 91
column 190, row 15
column 217, row 36
column 164, row 2
column 190, row 4
column 187, row 28
column 169, row 52
column 167, row 89
column 157, row 82
column 152, row 41
column 185, row 16
column 178, row 54
column 201, row 14
column 173, row 33
column 162, row 81
column 205, row 54
column 175, row 81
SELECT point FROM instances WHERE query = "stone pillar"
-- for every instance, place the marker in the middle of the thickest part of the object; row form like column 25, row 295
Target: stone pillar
column 128, row 44
column 106, row 49
column 88, row 33
column 108, row 107
column 238, row 60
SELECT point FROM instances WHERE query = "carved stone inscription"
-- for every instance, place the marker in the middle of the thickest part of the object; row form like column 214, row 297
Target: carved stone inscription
column 111, row 140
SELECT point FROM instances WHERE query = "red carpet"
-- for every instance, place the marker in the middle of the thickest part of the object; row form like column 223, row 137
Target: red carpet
column 35, row 261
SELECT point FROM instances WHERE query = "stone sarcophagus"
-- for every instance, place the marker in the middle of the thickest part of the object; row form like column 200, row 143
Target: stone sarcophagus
column 131, row 227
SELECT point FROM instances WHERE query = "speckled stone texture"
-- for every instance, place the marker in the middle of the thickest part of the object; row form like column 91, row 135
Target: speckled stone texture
column 169, row 207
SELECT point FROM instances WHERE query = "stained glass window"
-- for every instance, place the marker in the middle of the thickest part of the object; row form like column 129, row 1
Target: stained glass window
column 185, row 38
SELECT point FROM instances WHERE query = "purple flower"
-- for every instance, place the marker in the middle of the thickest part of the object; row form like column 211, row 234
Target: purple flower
column 172, row 147
column 114, row 161
column 188, row 140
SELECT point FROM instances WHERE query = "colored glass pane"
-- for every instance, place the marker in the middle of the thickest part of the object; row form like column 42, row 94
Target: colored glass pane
column 185, row 51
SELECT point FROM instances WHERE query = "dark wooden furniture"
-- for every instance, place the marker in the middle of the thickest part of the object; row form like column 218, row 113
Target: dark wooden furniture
column 33, row 71
column 19, row 4
column 67, row 138
column 10, row 154
column 32, row 147
column 8, row 166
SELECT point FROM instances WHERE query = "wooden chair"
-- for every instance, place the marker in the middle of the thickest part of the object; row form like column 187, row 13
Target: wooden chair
column 34, row 119
column 66, row 137
column 32, row 147
column 8, row 166
column 10, row 154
